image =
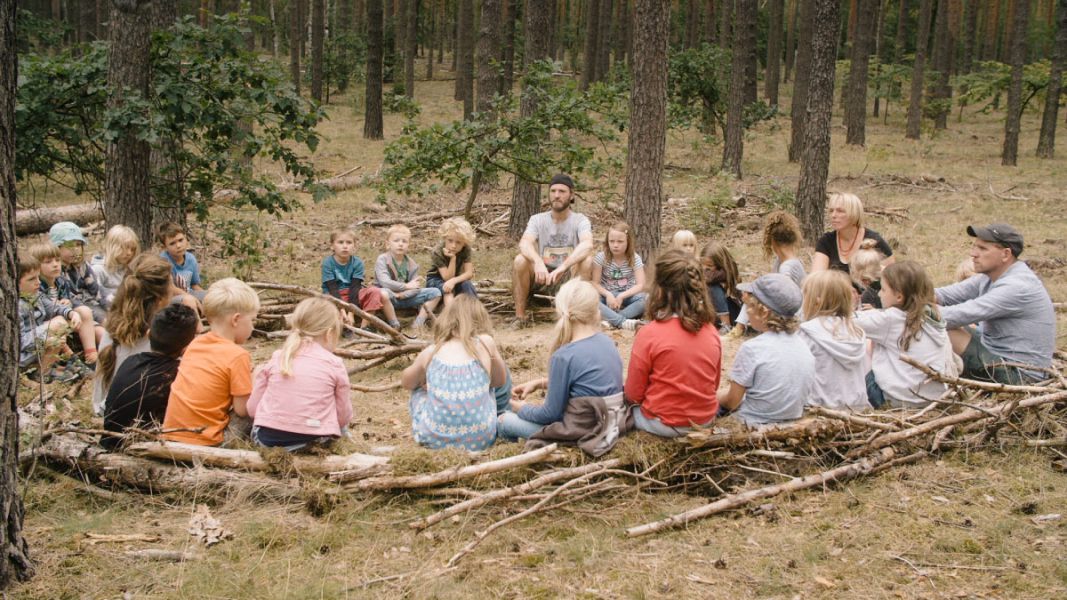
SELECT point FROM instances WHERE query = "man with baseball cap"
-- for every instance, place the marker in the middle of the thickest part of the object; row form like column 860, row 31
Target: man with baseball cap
column 1016, row 322
column 556, row 246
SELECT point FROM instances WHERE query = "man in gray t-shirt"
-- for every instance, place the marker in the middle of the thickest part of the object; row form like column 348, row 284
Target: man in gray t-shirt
column 1015, row 317
column 556, row 246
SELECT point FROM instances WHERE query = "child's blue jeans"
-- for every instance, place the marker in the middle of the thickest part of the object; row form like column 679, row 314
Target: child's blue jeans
column 632, row 308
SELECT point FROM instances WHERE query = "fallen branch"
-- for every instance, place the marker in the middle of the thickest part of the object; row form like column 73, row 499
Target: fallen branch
column 346, row 306
column 791, row 432
column 162, row 555
column 997, row 388
column 370, row 389
column 851, row 418
column 738, row 500
column 364, row 464
column 446, row 476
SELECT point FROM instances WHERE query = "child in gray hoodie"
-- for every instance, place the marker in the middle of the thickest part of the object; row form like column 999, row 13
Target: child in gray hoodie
column 838, row 345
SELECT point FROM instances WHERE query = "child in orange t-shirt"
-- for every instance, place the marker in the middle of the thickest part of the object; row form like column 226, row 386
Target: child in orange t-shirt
column 215, row 376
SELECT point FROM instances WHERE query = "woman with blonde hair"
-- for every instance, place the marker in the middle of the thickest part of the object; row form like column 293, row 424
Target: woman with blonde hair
column 584, row 362
column 301, row 396
column 836, row 342
column 835, row 248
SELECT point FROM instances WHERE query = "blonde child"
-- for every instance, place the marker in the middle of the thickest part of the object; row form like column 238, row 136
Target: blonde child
column 60, row 290
column 42, row 326
column 909, row 324
column 584, row 362
column 397, row 274
column 619, row 278
column 209, row 397
column 865, row 269
column 301, row 396
column 184, row 267
column 113, row 264
column 452, row 381
column 781, row 243
column 84, row 287
column 721, row 277
column 773, row 372
column 143, row 293
column 343, row 275
column 838, row 345
column 685, row 240
column 451, row 268
column 677, row 358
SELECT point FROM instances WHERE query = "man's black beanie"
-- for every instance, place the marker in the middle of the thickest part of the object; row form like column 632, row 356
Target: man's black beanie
column 564, row 179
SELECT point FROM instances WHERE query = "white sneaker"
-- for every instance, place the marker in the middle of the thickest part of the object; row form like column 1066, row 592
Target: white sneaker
column 631, row 324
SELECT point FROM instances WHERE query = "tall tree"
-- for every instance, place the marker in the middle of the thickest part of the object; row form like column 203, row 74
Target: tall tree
column 726, row 16
column 1012, row 122
column 918, row 72
column 990, row 29
column 620, row 30
column 944, row 41
column 1046, row 143
column 591, row 14
column 863, row 40
column 815, row 159
column 127, row 163
column 692, row 23
column 790, row 37
column 711, row 25
column 902, row 31
column 970, row 36
column 799, row 108
column 373, row 128
column 525, row 198
column 295, row 35
column 733, row 146
column 774, row 51
column 489, row 43
column 648, row 122
column 16, row 564
column 318, row 34
column 465, row 76
column 751, row 56
column 603, row 38
column 411, row 31
column 507, row 80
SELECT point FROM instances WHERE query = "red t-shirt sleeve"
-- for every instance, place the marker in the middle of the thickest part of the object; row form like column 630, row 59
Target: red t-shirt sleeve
column 638, row 371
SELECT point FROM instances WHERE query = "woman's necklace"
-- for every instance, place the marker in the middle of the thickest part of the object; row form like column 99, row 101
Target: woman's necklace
column 846, row 251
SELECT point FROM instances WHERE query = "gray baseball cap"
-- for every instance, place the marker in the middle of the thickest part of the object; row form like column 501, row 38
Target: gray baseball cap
column 777, row 292
column 999, row 233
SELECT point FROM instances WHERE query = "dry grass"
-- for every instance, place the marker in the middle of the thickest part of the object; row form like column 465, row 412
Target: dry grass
column 958, row 527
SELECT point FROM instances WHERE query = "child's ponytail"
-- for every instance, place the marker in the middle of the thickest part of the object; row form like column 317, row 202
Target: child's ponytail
column 576, row 302
column 313, row 317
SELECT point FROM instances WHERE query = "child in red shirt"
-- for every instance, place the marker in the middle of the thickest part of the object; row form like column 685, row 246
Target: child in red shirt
column 676, row 359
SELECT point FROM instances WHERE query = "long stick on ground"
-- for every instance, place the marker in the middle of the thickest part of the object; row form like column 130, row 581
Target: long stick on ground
column 997, row 388
column 518, row 490
column 737, row 500
column 803, row 429
column 347, row 306
column 448, row 475
column 851, row 418
column 253, row 461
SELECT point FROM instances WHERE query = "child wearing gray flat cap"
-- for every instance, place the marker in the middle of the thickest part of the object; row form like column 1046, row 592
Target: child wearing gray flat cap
column 772, row 373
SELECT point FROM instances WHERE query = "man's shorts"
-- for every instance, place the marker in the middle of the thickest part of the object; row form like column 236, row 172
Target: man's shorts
column 982, row 364
column 552, row 290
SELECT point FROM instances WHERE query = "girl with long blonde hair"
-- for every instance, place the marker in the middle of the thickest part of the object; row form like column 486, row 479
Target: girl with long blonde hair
column 120, row 246
column 301, row 396
column 453, row 381
column 836, row 342
column 584, row 362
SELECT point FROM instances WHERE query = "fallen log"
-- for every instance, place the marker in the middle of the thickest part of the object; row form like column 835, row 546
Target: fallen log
column 346, row 306
column 803, row 429
column 985, row 386
column 446, row 476
column 41, row 219
column 253, row 461
column 738, row 500
column 162, row 555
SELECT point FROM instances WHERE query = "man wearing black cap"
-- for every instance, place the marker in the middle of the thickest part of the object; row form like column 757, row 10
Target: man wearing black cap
column 556, row 246
column 1015, row 317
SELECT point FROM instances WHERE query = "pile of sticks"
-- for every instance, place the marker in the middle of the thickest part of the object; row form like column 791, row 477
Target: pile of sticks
column 734, row 465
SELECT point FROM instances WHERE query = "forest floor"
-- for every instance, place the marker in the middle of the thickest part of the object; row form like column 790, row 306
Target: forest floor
column 961, row 526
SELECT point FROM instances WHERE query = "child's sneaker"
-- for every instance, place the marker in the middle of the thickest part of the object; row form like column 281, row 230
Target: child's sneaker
column 60, row 375
column 519, row 323
column 631, row 324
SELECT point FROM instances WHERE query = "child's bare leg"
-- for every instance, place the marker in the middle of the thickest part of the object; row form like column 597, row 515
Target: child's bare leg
column 429, row 306
column 447, row 299
column 87, row 329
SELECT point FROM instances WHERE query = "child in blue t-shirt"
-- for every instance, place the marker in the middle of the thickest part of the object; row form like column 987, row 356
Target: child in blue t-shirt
column 343, row 275
column 183, row 265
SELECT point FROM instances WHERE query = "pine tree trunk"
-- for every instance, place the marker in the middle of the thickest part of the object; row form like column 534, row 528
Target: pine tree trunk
column 507, row 81
column 726, row 15
column 648, row 122
column 942, row 62
column 603, row 40
column 16, row 564
column 126, row 197
column 400, row 23
column 589, row 54
column 1012, row 123
column 856, row 111
column 619, row 29
column 751, row 59
column 168, row 199
column 879, row 53
column 1005, row 49
column 435, row 33
column 902, row 31
column 711, row 26
column 990, row 30
column 970, row 19
column 1046, row 143
column 526, row 197
column 918, row 72
column 815, row 159
column 692, row 23
column 295, row 33
column 799, row 108
column 774, row 51
column 489, row 42
column 466, row 56
column 372, row 112
column 318, row 33
column 411, row 31
column 791, row 39
column 733, row 145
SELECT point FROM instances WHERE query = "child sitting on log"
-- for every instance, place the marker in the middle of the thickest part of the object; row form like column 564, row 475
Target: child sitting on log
column 838, row 345
column 208, row 399
column 60, row 290
column 584, row 363
column 782, row 238
column 301, row 396
column 451, row 268
column 184, row 268
column 866, row 271
column 398, row 276
column 42, row 327
column 909, row 324
column 619, row 278
column 67, row 236
column 112, row 266
column 676, row 359
column 141, row 386
column 721, row 276
column 343, row 276
column 454, row 381
column 772, row 373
